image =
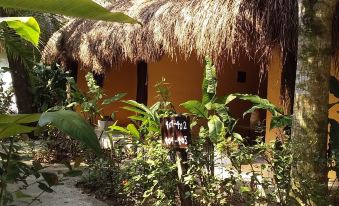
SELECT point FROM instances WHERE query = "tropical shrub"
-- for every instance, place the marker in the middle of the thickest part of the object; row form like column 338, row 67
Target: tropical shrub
column 49, row 86
column 152, row 164
column 92, row 102
column 6, row 95
column 12, row 127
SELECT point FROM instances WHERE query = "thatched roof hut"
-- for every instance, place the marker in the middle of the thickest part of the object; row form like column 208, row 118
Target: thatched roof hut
column 218, row 29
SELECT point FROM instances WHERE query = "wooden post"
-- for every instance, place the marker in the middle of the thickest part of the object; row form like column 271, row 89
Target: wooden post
column 176, row 134
column 181, row 161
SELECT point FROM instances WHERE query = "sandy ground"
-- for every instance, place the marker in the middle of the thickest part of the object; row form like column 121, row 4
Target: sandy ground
column 64, row 195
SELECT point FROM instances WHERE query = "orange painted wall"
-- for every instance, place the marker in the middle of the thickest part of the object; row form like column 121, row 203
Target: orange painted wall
column 273, row 92
column 116, row 81
column 227, row 84
column 185, row 79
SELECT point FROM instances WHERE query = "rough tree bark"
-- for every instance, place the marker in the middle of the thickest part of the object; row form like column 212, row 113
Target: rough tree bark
column 309, row 130
column 22, row 86
column 20, row 76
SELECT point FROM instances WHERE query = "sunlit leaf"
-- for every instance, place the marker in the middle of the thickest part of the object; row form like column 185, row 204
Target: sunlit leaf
column 280, row 121
column 12, row 129
column 133, row 130
column 76, row 8
column 26, row 27
column 209, row 84
column 115, row 98
column 195, row 107
column 19, row 118
column 216, row 128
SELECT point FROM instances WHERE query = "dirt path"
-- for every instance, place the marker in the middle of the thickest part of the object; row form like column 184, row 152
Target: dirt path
column 65, row 195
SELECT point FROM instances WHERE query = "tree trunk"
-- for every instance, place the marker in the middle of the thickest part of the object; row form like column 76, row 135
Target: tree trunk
column 20, row 76
column 309, row 130
column 22, row 86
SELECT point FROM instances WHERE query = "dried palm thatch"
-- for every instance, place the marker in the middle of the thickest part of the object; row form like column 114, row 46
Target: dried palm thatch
column 216, row 28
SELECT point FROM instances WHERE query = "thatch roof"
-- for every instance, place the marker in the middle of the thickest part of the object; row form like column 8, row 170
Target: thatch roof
column 214, row 28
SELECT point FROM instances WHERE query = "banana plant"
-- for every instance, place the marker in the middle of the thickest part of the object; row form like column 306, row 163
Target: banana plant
column 213, row 109
column 26, row 27
column 216, row 111
column 66, row 121
column 147, row 118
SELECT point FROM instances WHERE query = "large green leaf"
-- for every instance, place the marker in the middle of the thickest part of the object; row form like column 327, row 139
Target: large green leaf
column 133, row 130
column 216, row 129
column 10, row 125
column 12, row 129
column 259, row 103
column 19, row 118
column 226, row 99
column 280, row 121
column 75, row 8
column 26, row 27
column 74, row 125
column 140, row 108
column 195, row 107
column 115, row 98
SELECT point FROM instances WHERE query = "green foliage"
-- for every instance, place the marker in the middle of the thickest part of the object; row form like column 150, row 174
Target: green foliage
column 91, row 102
column 152, row 177
column 219, row 133
column 11, row 125
column 216, row 129
column 14, row 170
column 196, row 108
column 26, row 27
column 72, row 124
column 49, row 86
column 259, row 103
column 68, row 122
column 147, row 118
column 76, row 8
column 5, row 97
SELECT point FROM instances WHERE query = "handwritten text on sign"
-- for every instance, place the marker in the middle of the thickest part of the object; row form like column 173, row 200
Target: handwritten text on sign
column 175, row 131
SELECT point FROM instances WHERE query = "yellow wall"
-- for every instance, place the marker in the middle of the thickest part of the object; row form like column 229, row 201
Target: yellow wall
column 116, row 81
column 227, row 84
column 273, row 92
column 185, row 79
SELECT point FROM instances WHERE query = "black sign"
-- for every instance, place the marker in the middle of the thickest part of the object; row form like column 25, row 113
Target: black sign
column 175, row 131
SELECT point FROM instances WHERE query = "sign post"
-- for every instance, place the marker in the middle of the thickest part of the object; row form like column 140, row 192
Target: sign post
column 176, row 134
